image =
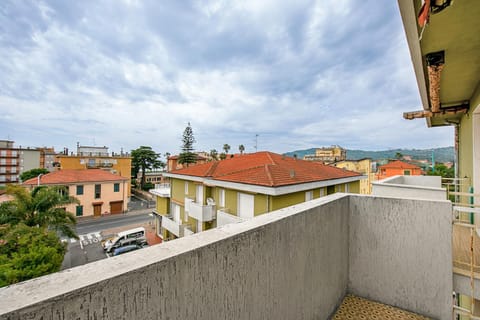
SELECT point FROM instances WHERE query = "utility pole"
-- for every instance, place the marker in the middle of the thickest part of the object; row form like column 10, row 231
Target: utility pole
column 256, row 142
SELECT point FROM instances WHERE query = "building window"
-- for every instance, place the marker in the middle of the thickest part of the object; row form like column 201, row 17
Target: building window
column 79, row 211
column 116, row 187
column 308, row 195
column 3, row 153
column 98, row 191
column 221, row 195
column 406, row 172
column 63, row 190
column 322, row 192
column 14, row 153
column 14, row 161
column 79, row 190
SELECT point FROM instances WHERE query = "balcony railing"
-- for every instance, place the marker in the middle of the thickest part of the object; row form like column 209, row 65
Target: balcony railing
column 175, row 227
column 201, row 212
column 161, row 190
column 223, row 218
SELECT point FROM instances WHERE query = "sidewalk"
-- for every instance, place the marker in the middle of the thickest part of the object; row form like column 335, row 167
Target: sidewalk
column 108, row 215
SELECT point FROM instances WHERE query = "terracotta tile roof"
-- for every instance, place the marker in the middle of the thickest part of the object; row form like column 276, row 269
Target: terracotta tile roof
column 397, row 164
column 74, row 176
column 266, row 169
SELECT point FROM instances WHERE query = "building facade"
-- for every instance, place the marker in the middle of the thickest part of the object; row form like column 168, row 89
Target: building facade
column 398, row 168
column 363, row 166
column 97, row 158
column 14, row 161
column 237, row 189
column 444, row 44
column 327, row 154
column 99, row 192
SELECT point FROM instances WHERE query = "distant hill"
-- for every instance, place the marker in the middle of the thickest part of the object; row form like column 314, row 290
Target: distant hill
column 446, row 154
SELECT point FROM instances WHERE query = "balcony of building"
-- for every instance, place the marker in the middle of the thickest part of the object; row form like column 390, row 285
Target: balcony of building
column 419, row 187
column 300, row 262
column 175, row 227
column 200, row 212
column 161, row 190
column 225, row 217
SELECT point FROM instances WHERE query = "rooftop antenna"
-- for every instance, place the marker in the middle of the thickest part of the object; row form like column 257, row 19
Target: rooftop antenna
column 256, row 142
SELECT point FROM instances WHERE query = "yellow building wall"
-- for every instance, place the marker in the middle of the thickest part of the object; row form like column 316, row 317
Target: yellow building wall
column 123, row 165
column 364, row 167
column 162, row 205
column 261, row 204
column 465, row 148
column 286, row 200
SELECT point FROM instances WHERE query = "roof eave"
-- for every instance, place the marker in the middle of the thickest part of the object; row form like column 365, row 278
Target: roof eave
column 409, row 19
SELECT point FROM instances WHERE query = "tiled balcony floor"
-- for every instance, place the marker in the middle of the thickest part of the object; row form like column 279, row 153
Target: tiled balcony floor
column 354, row 307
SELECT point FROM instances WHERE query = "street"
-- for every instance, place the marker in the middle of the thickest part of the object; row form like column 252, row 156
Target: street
column 92, row 231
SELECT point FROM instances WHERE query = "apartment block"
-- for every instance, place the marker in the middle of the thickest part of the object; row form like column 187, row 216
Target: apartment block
column 216, row 193
column 97, row 158
column 327, row 154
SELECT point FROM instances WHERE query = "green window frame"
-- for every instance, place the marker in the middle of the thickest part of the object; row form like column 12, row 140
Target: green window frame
column 79, row 190
column 79, row 211
column 98, row 191
column 116, row 187
column 406, row 172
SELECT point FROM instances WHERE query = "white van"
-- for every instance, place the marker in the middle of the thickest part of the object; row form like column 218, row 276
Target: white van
column 132, row 236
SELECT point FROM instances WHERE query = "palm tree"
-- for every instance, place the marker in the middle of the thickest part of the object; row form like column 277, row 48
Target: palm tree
column 226, row 147
column 41, row 207
column 241, row 148
column 214, row 154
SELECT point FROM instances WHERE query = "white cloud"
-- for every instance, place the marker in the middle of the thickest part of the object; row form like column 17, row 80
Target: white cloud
column 123, row 74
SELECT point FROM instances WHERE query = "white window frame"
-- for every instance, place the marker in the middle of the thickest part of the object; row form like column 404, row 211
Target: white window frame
column 322, row 192
column 308, row 195
column 347, row 189
column 186, row 188
column 221, row 196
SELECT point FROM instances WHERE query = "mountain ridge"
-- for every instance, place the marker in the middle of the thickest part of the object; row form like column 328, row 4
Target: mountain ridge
column 443, row 154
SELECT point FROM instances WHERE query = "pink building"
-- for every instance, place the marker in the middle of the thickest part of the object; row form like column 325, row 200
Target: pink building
column 99, row 192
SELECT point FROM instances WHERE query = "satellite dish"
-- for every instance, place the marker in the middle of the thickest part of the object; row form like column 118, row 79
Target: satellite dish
column 210, row 202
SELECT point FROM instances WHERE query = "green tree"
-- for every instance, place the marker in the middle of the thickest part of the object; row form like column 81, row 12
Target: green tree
column 398, row 155
column 214, row 154
column 32, row 173
column 41, row 207
column 28, row 252
column 223, row 156
column 144, row 158
column 241, row 148
column 187, row 156
column 441, row 170
column 226, row 148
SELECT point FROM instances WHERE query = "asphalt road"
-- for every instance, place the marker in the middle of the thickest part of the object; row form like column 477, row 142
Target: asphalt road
column 88, row 248
column 103, row 223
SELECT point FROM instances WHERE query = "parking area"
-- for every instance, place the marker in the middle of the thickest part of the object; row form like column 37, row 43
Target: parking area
column 88, row 247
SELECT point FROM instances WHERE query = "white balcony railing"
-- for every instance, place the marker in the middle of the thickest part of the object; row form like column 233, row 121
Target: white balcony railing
column 201, row 213
column 161, row 190
column 223, row 217
column 171, row 225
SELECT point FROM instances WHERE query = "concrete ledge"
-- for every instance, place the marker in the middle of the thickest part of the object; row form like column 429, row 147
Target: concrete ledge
column 295, row 263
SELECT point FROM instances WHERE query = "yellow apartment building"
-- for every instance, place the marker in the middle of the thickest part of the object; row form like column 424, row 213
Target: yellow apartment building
column 363, row 166
column 237, row 189
column 327, row 154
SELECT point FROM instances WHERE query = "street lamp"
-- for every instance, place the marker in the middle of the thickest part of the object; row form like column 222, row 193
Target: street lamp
column 38, row 179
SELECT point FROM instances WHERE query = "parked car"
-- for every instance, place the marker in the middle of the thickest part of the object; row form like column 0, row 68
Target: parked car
column 124, row 238
column 127, row 248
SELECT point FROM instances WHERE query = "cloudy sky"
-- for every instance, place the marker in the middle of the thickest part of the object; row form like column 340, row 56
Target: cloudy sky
column 122, row 74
